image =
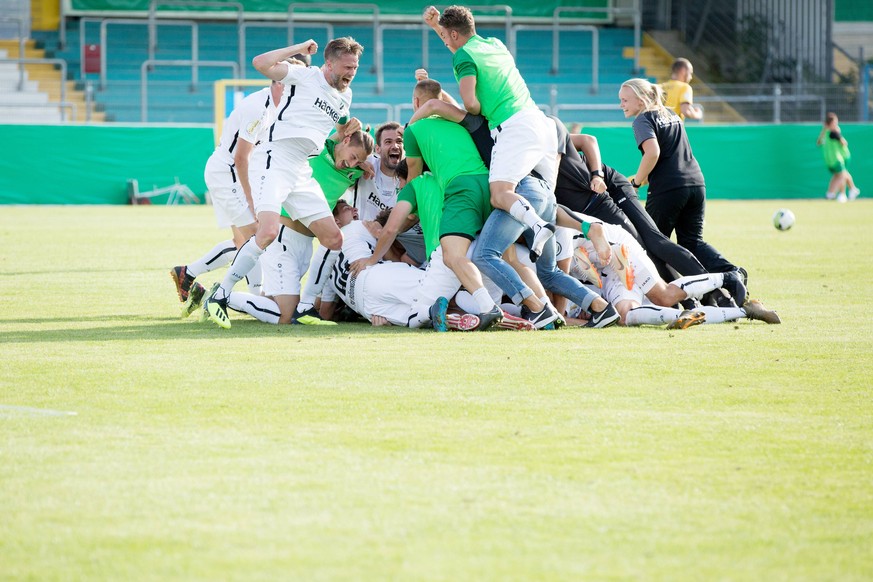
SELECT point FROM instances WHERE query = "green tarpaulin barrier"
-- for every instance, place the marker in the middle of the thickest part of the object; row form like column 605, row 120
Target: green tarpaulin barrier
column 73, row 164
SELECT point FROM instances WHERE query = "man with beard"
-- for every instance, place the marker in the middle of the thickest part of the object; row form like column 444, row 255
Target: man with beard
column 372, row 195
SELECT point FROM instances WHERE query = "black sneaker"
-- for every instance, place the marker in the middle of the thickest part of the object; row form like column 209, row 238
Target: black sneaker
column 541, row 318
column 733, row 284
column 182, row 280
column 605, row 318
column 490, row 319
column 542, row 233
column 690, row 304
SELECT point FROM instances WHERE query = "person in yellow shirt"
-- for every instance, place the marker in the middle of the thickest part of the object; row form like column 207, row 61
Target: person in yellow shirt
column 679, row 94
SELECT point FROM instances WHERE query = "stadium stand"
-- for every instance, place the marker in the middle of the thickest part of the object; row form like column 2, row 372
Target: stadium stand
column 174, row 97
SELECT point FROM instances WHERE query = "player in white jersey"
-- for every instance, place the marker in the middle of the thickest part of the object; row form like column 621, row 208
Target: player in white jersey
column 226, row 178
column 372, row 195
column 318, row 99
column 630, row 300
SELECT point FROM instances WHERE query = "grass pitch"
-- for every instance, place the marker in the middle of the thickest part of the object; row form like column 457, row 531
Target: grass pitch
column 136, row 446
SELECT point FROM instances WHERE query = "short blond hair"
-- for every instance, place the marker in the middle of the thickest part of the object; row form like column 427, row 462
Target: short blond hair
column 342, row 46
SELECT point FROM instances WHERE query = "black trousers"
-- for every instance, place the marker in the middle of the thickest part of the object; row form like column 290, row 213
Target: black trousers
column 682, row 210
column 621, row 205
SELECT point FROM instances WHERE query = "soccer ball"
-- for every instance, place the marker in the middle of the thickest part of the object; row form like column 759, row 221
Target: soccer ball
column 783, row 219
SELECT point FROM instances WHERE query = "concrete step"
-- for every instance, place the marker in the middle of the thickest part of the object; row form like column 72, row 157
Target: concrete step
column 23, row 98
column 8, row 85
column 34, row 115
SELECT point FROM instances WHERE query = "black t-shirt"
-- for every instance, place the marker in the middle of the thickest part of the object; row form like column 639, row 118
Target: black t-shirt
column 477, row 126
column 676, row 166
column 573, row 186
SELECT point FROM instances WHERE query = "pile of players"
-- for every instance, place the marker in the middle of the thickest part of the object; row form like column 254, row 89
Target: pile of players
column 475, row 215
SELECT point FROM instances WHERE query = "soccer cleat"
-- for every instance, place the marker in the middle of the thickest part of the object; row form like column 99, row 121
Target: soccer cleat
column 204, row 315
column 542, row 233
column 744, row 275
column 310, row 317
column 686, row 319
column 462, row 321
column 586, row 269
column 182, row 280
column 621, row 265
column 733, row 284
column 854, row 193
column 516, row 323
column 541, row 318
column 216, row 309
column 755, row 310
column 690, row 304
column 195, row 298
column 609, row 316
column 438, row 314
column 490, row 319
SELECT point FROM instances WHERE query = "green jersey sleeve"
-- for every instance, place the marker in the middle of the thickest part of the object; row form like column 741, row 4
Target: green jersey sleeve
column 410, row 144
column 463, row 64
column 407, row 194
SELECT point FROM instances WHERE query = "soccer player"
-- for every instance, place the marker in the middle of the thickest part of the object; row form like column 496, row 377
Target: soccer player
column 663, row 296
column 679, row 96
column 320, row 98
column 374, row 194
column 226, row 178
column 490, row 84
column 835, row 149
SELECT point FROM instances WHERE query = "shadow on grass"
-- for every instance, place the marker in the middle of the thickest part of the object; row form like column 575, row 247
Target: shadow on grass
column 163, row 328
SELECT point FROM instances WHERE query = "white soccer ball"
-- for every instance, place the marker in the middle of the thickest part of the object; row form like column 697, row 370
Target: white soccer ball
column 783, row 219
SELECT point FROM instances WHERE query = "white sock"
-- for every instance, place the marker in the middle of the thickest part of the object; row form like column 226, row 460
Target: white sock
column 259, row 307
column 696, row 286
column 466, row 302
column 651, row 315
column 243, row 263
column 483, row 300
column 722, row 314
column 522, row 212
column 255, row 278
column 220, row 256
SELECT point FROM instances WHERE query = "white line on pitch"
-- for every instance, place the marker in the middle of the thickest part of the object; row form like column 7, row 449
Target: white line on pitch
column 8, row 411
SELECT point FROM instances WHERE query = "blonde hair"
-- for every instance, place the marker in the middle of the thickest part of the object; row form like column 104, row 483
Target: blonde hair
column 649, row 93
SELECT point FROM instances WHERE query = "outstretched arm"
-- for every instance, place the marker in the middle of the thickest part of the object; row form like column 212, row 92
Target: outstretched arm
column 272, row 64
column 396, row 220
column 440, row 108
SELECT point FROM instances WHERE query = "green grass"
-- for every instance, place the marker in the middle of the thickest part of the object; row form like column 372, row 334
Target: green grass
column 736, row 451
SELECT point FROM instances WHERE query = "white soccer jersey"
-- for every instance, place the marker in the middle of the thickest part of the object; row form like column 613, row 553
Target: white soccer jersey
column 310, row 108
column 375, row 194
column 358, row 243
column 250, row 120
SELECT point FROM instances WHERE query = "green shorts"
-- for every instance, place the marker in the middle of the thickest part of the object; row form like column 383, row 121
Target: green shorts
column 467, row 206
column 838, row 167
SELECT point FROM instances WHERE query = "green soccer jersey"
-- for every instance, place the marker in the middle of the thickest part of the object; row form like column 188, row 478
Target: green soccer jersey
column 333, row 182
column 499, row 87
column 426, row 197
column 446, row 148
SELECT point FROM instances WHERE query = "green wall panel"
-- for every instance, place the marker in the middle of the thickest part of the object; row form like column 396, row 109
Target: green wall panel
column 519, row 9
column 753, row 161
column 58, row 164
column 853, row 10
column 92, row 164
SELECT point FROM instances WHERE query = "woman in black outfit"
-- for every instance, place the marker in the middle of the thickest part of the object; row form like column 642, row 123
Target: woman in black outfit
column 677, row 192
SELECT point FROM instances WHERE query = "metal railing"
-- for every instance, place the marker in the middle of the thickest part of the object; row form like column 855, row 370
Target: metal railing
column 635, row 11
column 150, row 63
column 22, row 46
column 371, row 8
column 425, row 43
column 104, row 40
column 153, row 11
column 387, row 107
column 61, row 63
column 556, row 45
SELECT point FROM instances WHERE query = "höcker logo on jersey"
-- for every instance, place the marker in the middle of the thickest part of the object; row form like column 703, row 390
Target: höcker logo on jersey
column 325, row 106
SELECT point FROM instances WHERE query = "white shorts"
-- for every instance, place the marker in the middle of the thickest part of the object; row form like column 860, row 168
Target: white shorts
column 526, row 141
column 438, row 281
column 386, row 289
column 226, row 193
column 645, row 278
column 285, row 262
column 280, row 177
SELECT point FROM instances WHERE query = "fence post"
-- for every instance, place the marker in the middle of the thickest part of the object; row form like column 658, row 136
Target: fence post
column 777, row 103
